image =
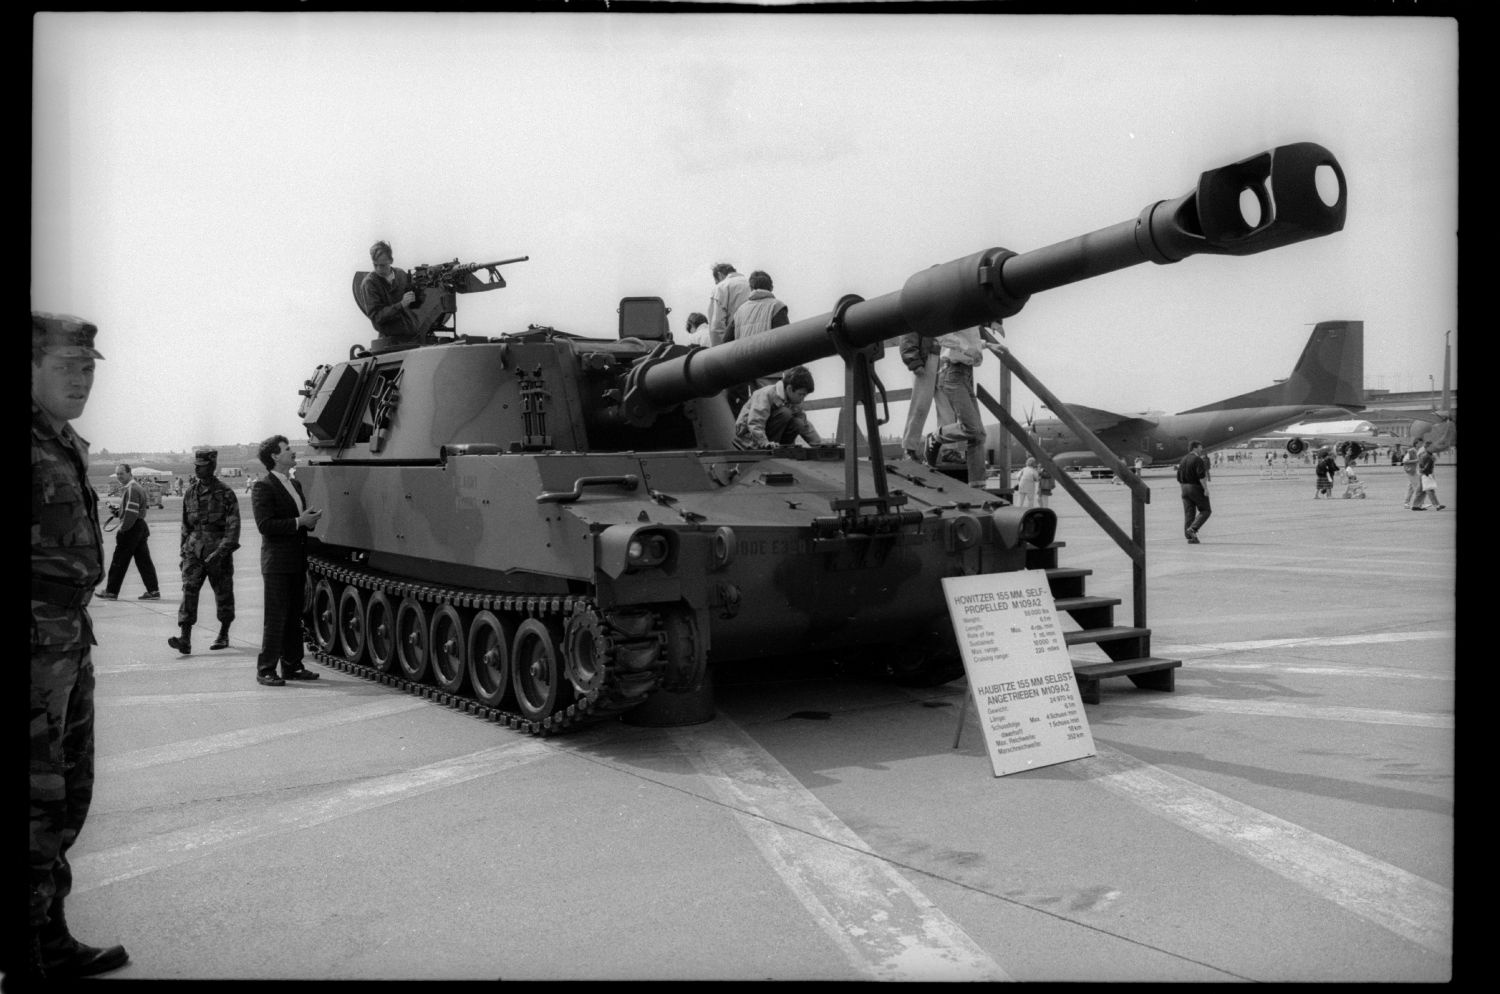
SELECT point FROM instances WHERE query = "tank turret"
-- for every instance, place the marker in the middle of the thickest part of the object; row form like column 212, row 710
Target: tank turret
column 556, row 527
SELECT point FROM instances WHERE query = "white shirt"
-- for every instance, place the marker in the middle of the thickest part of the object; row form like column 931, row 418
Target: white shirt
column 287, row 483
column 962, row 347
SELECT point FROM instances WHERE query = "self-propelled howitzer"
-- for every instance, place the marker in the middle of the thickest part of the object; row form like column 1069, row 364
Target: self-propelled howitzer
column 556, row 528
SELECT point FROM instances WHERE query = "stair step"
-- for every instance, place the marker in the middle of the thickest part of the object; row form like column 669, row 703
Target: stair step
column 1068, row 582
column 1084, row 603
column 1067, row 572
column 1044, row 557
column 1104, row 634
column 1147, row 672
column 1123, row 667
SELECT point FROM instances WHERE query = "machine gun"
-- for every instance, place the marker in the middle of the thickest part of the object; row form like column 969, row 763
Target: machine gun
column 436, row 284
column 435, row 287
column 459, row 277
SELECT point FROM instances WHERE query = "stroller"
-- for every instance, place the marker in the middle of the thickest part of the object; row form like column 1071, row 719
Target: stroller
column 1353, row 488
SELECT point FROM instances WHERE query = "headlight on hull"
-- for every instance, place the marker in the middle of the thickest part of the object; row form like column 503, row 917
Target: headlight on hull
column 1017, row 526
column 626, row 548
column 646, row 549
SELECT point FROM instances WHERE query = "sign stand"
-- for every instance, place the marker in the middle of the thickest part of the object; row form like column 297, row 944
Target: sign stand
column 1020, row 676
column 963, row 712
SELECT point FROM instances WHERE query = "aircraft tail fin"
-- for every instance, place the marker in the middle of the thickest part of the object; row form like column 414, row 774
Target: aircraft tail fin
column 1330, row 373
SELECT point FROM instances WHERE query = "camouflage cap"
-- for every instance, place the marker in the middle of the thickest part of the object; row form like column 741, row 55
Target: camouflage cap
column 63, row 335
column 204, row 456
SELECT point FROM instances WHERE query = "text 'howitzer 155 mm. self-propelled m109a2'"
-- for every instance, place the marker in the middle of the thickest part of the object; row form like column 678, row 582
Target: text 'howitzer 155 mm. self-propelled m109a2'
column 550, row 528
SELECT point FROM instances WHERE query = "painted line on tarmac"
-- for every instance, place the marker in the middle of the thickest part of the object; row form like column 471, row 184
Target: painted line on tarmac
column 885, row 926
column 1300, row 712
column 1408, row 905
column 177, row 752
column 160, row 852
column 197, row 701
column 1376, row 638
column 1363, row 672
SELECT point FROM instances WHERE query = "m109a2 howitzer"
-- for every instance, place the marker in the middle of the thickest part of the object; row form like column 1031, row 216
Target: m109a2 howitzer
column 553, row 528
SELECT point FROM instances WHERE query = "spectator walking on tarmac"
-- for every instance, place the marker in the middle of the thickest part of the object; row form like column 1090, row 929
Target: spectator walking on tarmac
column 730, row 290
column 67, row 559
column 1026, row 485
column 1326, row 469
column 130, row 540
column 1192, row 475
column 1426, row 467
column 1044, row 486
column 210, row 534
column 1409, row 461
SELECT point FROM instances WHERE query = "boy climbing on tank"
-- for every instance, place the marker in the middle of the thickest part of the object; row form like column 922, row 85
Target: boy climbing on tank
column 773, row 415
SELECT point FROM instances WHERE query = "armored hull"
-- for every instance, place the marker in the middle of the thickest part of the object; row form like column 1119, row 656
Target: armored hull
column 642, row 555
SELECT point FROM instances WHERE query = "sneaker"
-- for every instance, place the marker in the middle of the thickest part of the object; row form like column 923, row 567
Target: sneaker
column 105, row 595
column 930, row 448
column 1418, row 507
column 1192, row 537
column 1440, row 507
column 150, row 595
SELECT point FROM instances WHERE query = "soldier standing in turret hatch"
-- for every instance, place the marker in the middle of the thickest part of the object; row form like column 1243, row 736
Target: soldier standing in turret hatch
column 210, row 534
column 389, row 299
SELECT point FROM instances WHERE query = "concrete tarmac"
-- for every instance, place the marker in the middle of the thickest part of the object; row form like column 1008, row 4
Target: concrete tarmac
column 1286, row 814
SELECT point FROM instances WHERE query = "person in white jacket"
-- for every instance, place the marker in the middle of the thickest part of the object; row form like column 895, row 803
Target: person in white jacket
column 1026, row 484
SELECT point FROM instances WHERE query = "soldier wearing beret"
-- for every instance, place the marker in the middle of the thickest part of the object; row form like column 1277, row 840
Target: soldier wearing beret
column 210, row 534
column 67, row 560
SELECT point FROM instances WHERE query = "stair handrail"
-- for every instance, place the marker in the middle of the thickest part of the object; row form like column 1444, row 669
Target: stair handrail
column 1134, row 544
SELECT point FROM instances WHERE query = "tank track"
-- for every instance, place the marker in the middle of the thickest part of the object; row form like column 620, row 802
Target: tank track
column 597, row 705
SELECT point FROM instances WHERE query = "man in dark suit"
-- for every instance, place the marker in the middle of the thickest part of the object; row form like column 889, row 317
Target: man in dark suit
column 283, row 519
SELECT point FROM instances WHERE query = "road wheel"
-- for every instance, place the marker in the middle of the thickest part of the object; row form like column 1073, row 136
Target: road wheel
column 489, row 658
column 380, row 632
column 411, row 639
column 449, row 649
column 350, row 623
column 324, row 609
column 537, row 675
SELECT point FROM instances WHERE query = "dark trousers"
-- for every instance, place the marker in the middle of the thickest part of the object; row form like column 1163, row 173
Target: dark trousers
column 281, row 638
column 1195, row 506
column 130, row 544
column 220, row 576
column 62, row 769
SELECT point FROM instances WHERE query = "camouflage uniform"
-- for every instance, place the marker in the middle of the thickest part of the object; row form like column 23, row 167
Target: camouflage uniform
column 210, row 534
column 67, row 561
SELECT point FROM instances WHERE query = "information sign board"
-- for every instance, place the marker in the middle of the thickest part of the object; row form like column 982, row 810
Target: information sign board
column 1020, row 675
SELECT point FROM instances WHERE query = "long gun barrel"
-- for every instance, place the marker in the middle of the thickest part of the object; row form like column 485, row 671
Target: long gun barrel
column 472, row 266
column 1298, row 192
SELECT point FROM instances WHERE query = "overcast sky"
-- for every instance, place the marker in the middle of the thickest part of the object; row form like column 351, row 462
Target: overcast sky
column 205, row 185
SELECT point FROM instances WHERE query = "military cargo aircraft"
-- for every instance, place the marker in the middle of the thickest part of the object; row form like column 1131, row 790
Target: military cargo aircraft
column 1327, row 382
